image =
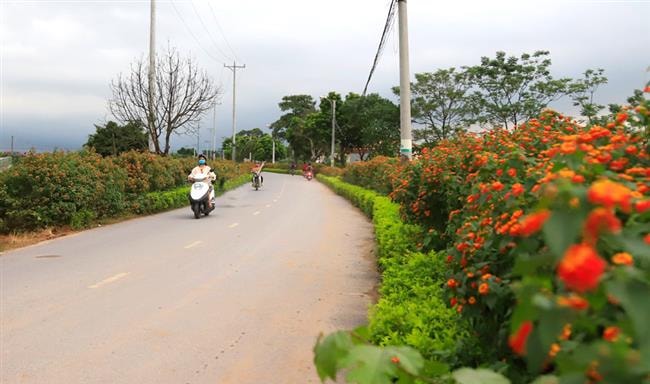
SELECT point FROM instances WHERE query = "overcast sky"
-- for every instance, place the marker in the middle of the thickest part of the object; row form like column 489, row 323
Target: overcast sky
column 58, row 57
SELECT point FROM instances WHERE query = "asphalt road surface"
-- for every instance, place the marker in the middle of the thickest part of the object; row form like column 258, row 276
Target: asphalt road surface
column 239, row 296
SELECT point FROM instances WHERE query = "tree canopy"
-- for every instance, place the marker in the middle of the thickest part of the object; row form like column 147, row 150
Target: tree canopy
column 113, row 139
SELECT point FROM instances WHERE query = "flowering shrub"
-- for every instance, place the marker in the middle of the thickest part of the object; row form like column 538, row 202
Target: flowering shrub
column 375, row 174
column 547, row 230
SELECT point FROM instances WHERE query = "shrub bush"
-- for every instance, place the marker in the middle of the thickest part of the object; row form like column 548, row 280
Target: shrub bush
column 75, row 188
column 411, row 310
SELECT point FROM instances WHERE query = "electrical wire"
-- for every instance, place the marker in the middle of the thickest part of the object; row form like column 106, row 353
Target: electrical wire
column 208, row 32
column 214, row 16
column 382, row 41
column 192, row 33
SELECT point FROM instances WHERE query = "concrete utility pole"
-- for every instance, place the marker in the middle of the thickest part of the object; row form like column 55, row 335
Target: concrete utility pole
column 234, row 67
column 12, row 145
column 198, row 138
column 333, row 130
column 406, row 142
column 214, row 133
column 273, row 141
column 152, row 74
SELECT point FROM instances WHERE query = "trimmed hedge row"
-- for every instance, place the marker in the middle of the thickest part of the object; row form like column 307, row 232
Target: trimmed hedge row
column 411, row 310
column 75, row 188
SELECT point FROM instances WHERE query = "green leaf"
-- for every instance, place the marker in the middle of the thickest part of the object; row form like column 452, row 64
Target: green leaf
column 369, row 364
column 330, row 352
column 561, row 230
column 478, row 376
column 633, row 296
column 546, row 379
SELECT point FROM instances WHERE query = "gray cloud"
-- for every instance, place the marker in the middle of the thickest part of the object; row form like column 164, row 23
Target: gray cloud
column 58, row 57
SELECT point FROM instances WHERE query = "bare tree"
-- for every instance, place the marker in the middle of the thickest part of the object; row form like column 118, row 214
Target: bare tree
column 183, row 94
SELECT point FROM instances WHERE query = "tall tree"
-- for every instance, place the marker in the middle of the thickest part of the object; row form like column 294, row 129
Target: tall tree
column 297, row 124
column 256, row 144
column 369, row 125
column 512, row 89
column 113, row 139
column 440, row 104
column 183, row 94
column 583, row 90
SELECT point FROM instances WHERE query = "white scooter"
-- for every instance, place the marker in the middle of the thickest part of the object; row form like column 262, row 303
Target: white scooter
column 200, row 195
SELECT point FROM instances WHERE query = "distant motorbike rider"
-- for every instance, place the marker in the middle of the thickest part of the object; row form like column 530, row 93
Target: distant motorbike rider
column 202, row 170
column 257, row 171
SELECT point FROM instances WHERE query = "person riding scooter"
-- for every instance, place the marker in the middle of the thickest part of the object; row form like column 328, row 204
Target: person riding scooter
column 203, row 171
column 257, row 171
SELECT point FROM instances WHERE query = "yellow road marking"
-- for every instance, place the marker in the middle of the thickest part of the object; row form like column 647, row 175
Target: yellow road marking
column 233, row 225
column 109, row 280
column 194, row 244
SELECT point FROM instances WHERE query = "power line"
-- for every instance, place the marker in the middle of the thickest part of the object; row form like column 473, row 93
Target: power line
column 208, row 32
column 214, row 16
column 192, row 33
column 382, row 41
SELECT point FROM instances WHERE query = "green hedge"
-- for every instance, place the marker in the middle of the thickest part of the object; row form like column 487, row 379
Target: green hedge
column 411, row 310
column 76, row 188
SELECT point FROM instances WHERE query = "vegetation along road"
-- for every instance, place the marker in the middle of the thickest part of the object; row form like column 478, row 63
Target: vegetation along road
column 236, row 297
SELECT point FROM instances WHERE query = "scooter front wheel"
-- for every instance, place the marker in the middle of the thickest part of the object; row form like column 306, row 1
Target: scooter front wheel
column 196, row 208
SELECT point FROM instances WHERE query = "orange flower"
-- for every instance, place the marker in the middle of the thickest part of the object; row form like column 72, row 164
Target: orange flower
column 609, row 194
column 623, row 258
column 394, row 360
column 512, row 172
column 555, row 348
column 566, row 332
column 611, row 333
column 497, row 186
column 472, row 300
column 517, row 342
column 646, row 238
column 581, row 268
column 533, row 222
column 484, row 289
column 453, row 301
column 573, row 301
column 451, row 283
column 600, row 220
column 642, row 205
column 568, row 147
column 517, row 189
column 621, row 117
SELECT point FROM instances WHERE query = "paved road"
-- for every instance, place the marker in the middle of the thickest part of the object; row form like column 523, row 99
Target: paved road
column 236, row 297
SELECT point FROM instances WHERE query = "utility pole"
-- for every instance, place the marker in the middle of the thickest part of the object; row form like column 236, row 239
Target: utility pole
column 214, row 133
column 406, row 142
column 234, row 67
column 333, row 134
column 152, row 74
column 198, row 138
column 273, row 141
column 12, row 145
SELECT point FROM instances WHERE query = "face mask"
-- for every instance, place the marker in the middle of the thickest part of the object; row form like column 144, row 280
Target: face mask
column 201, row 162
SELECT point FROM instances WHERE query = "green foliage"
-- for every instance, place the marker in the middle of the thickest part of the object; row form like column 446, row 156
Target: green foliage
column 376, row 174
column 256, row 144
column 440, row 104
column 112, row 139
column 510, row 90
column 411, row 310
column 76, row 188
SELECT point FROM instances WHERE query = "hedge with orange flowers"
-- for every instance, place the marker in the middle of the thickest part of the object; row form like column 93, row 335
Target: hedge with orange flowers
column 545, row 227
column 546, row 231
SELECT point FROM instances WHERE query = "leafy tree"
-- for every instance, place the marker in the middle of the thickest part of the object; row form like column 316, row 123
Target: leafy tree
column 369, row 125
column 113, row 139
column 302, row 126
column 255, row 143
column 186, row 152
column 183, row 94
column 510, row 90
column 440, row 104
column 583, row 90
